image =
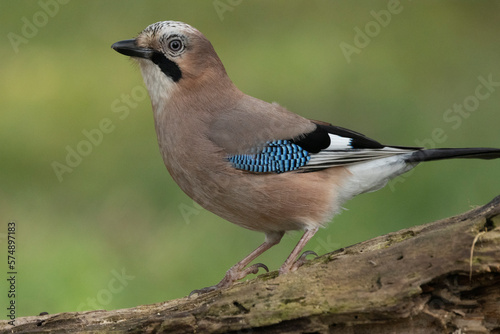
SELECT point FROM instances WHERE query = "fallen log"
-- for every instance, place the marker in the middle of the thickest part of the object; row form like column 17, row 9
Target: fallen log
column 442, row 277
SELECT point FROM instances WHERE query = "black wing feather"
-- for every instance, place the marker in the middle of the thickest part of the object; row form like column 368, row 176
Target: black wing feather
column 319, row 139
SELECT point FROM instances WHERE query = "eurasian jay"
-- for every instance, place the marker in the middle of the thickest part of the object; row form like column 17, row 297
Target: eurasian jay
column 255, row 163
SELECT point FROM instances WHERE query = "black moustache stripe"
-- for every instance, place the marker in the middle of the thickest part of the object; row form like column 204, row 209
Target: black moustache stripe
column 170, row 68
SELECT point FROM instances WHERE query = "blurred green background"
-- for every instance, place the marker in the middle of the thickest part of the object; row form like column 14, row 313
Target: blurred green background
column 117, row 232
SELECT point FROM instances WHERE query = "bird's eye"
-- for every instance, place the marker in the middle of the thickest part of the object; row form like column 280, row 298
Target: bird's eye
column 175, row 45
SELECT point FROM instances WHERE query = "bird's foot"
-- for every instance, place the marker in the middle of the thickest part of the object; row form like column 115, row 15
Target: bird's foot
column 232, row 275
column 286, row 267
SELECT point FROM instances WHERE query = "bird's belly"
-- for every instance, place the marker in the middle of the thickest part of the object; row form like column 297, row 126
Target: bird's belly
column 263, row 201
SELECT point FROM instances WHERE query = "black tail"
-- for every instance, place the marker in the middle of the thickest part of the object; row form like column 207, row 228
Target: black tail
column 454, row 153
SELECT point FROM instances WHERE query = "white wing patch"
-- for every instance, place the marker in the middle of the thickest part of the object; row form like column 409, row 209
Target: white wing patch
column 339, row 142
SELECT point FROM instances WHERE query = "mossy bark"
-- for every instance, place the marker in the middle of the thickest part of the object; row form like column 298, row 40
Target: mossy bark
column 442, row 277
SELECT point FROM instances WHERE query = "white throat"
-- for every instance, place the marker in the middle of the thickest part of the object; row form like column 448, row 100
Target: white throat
column 160, row 86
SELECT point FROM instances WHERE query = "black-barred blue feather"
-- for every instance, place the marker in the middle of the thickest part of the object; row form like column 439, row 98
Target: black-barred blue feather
column 277, row 156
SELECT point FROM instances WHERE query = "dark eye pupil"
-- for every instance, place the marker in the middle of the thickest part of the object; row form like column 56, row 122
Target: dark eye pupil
column 175, row 45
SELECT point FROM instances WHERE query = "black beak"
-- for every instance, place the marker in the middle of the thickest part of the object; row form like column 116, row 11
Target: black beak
column 129, row 48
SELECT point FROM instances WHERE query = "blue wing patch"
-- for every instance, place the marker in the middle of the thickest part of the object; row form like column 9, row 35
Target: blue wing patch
column 277, row 156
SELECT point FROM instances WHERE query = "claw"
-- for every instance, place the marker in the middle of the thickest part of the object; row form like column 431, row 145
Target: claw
column 254, row 269
column 306, row 253
column 301, row 260
column 232, row 275
column 202, row 291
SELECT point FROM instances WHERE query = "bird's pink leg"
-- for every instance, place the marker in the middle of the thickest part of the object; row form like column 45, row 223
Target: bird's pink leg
column 238, row 271
column 291, row 263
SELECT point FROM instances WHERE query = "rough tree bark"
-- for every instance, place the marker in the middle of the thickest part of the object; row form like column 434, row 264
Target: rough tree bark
column 442, row 277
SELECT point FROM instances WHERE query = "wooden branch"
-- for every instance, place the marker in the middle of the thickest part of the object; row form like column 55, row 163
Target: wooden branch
column 417, row 280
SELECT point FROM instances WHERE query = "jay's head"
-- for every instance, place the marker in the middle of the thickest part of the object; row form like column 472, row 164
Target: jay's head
column 171, row 55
